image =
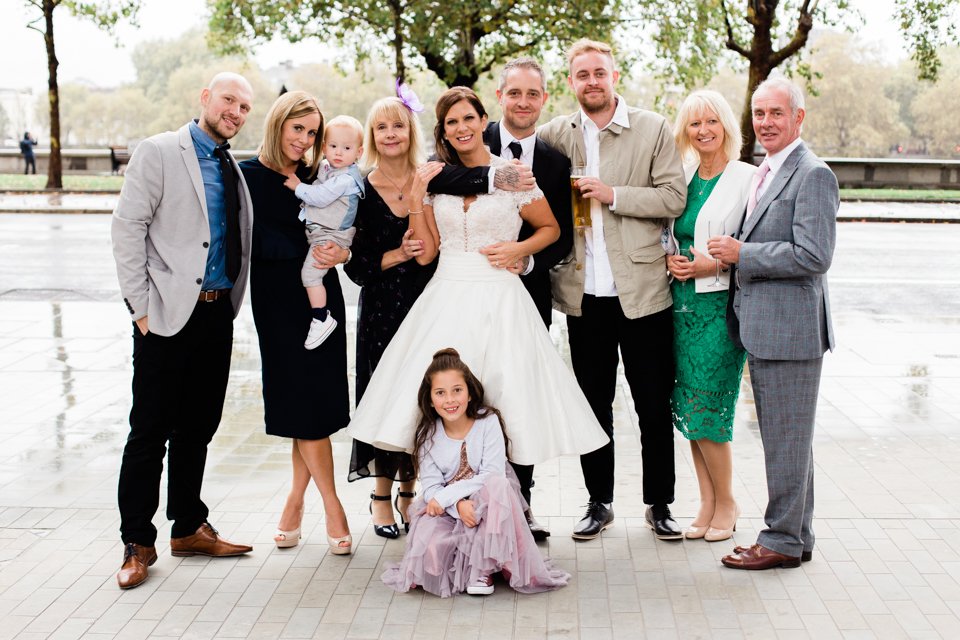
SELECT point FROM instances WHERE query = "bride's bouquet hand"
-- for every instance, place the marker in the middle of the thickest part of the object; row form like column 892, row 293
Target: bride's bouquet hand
column 504, row 255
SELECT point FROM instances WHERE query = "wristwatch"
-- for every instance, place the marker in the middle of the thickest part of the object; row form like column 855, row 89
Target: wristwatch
column 349, row 256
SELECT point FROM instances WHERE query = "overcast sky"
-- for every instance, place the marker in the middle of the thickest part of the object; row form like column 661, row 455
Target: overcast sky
column 86, row 53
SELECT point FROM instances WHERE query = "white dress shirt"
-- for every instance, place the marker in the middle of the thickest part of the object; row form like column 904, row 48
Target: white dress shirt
column 527, row 146
column 775, row 162
column 598, row 274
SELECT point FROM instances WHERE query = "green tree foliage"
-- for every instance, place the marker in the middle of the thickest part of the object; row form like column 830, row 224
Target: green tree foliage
column 105, row 14
column 935, row 117
column 459, row 40
column 694, row 37
column 852, row 113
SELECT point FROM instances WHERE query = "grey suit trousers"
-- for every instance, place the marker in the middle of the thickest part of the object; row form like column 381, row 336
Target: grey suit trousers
column 785, row 393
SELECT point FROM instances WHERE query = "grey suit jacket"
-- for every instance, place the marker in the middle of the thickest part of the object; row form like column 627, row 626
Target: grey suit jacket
column 781, row 301
column 161, row 232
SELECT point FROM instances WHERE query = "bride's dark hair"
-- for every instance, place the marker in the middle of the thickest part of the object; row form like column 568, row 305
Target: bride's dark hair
column 448, row 360
column 453, row 95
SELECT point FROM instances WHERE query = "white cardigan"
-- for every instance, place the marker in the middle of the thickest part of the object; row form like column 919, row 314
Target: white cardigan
column 727, row 202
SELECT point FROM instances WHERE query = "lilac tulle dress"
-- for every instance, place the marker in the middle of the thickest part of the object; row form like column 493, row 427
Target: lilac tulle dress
column 443, row 555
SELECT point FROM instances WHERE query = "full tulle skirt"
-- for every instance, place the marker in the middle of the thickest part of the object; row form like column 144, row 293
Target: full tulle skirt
column 443, row 555
column 489, row 318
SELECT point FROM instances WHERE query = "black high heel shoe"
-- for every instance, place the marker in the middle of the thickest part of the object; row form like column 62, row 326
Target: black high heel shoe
column 390, row 531
column 396, row 505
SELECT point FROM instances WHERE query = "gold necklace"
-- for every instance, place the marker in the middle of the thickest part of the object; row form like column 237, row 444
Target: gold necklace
column 395, row 186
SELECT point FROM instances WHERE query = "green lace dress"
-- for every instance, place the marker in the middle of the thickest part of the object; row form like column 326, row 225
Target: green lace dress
column 709, row 366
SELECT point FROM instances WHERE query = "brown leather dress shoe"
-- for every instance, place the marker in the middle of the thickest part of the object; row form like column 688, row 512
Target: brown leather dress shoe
column 136, row 559
column 758, row 558
column 206, row 542
column 806, row 556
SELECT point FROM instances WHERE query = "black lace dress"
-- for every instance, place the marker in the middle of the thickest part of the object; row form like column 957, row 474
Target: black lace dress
column 385, row 299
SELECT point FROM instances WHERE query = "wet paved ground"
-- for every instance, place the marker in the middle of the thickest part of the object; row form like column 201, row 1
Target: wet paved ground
column 887, row 563
column 105, row 203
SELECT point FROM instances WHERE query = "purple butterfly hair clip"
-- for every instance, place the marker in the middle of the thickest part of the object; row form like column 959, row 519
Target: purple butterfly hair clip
column 408, row 97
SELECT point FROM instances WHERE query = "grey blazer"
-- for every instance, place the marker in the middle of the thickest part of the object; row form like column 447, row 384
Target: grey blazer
column 780, row 308
column 161, row 232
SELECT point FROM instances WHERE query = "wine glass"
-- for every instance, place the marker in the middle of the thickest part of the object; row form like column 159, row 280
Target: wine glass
column 717, row 228
column 683, row 305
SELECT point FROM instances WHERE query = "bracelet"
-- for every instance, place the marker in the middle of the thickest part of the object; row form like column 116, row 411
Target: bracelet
column 414, row 213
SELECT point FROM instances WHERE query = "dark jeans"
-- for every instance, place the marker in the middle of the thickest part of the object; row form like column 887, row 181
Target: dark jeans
column 29, row 165
column 179, row 383
column 646, row 345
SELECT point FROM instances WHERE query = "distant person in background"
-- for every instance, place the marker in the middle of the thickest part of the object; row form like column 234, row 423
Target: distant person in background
column 26, row 150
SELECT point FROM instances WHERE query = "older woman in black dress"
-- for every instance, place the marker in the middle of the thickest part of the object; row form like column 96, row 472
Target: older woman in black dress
column 383, row 264
column 305, row 394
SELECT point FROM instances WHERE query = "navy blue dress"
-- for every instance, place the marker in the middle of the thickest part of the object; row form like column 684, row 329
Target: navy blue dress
column 305, row 393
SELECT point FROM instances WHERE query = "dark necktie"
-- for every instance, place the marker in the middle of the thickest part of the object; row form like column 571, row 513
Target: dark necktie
column 515, row 149
column 231, row 206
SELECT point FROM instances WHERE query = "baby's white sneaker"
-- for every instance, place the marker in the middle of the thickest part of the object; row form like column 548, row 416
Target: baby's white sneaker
column 319, row 331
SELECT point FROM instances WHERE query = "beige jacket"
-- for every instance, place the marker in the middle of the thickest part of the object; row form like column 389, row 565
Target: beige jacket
column 642, row 164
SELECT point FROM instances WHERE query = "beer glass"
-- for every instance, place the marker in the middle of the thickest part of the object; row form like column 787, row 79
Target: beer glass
column 581, row 205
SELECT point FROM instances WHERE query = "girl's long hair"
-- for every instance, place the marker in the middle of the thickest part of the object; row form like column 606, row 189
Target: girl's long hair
column 448, row 360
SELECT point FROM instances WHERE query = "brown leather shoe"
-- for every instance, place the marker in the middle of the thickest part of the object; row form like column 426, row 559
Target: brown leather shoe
column 758, row 558
column 806, row 556
column 206, row 542
column 136, row 559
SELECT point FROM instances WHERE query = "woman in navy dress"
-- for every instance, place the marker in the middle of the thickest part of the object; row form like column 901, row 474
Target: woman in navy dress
column 305, row 393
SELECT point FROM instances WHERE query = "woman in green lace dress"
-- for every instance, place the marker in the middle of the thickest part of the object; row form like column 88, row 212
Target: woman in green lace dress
column 709, row 366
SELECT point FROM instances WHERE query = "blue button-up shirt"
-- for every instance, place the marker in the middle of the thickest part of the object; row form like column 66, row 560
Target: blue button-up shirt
column 215, row 276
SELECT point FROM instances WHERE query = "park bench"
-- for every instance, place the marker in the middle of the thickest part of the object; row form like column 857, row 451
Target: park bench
column 119, row 157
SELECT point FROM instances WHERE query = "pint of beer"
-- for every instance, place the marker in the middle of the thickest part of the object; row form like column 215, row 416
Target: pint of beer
column 581, row 206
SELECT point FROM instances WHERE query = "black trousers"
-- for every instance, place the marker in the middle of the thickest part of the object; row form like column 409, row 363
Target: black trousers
column 179, row 384
column 646, row 346
column 29, row 165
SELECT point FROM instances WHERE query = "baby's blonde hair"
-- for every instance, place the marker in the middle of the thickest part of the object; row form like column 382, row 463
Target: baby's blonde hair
column 345, row 122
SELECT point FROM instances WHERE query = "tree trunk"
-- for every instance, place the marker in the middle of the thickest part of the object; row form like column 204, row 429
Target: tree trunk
column 55, row 170
column 761, row 15
column 398, row 41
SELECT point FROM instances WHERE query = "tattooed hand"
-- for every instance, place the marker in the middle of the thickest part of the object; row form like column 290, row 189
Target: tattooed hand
column 515, row 176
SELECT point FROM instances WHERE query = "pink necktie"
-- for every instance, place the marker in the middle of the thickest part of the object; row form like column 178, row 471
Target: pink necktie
column 758, row 177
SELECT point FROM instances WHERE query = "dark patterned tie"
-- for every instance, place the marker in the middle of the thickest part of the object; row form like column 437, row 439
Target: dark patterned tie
column 231, row 206
column 515, row 149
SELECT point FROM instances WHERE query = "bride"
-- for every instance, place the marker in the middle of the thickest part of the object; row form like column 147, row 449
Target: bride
column 476, row 304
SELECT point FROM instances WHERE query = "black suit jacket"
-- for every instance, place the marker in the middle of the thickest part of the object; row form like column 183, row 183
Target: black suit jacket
column 552, row 172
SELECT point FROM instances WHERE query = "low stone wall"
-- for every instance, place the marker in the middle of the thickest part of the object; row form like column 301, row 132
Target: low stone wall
column 852, row 173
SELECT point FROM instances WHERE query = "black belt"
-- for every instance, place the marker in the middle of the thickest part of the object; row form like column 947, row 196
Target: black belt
column 213, row 295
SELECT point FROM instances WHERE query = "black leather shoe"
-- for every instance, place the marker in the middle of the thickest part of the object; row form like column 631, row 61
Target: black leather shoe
column 595, row 520
column 663, row 525
column 806, row 556
column 539, row 531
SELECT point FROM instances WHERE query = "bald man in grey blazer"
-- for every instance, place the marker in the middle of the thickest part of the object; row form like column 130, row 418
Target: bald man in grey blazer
column 780, row 312
column 181, row 240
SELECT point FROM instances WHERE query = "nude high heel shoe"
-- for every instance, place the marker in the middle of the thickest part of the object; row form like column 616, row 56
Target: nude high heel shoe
column 288, row 539
column 695, row 533
column 335, row 547
column 716, row 535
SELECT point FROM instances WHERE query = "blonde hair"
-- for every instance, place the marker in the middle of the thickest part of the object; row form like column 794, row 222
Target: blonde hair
column 390, row 110
column 289, row 106
column 585, row 45
column 344, row 122
column 697, row 105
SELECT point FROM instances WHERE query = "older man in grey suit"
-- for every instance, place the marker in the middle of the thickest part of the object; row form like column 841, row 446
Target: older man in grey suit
column 780, row 313
column 181, row 240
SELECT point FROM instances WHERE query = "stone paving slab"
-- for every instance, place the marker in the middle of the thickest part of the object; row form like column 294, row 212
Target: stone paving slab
column 887, row 563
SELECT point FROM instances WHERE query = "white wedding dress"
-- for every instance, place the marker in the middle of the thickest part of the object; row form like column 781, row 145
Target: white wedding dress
column 487, row 315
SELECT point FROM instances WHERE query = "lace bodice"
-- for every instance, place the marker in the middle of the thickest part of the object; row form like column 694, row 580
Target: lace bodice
column 492, row 217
